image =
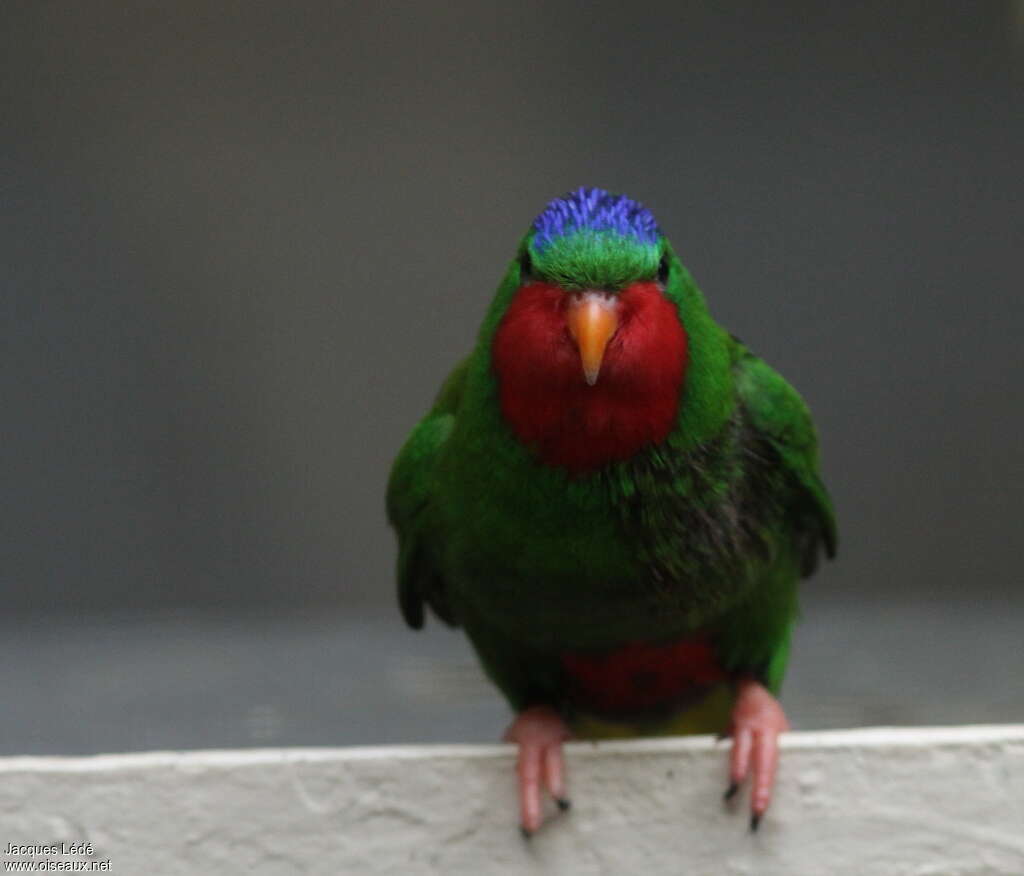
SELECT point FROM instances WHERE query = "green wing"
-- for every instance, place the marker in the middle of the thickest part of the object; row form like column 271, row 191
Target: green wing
column 780, row 418
column 754, row 637
column 409, row 496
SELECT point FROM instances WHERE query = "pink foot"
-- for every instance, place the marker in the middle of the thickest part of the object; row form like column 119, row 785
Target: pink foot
column 539, row 732
column 757, row 721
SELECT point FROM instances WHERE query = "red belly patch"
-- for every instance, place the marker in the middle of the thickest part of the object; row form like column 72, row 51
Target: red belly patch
column 639, row 676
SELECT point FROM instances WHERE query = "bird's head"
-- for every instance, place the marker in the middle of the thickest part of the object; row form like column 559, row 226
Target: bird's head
column 591, row 352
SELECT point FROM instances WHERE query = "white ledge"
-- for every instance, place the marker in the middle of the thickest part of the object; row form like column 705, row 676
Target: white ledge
column 890, row 801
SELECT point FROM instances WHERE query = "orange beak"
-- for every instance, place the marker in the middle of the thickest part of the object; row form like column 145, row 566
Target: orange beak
column 593, row 319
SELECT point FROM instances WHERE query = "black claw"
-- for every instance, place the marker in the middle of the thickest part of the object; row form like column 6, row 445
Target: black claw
column 563, row 803
column 525, row 832
column 755, row 820
column 730, row 792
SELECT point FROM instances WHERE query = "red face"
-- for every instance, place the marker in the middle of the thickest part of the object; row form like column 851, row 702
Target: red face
column 588, row 378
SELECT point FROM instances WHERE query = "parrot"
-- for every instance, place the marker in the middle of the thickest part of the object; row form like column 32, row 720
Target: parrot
column 615, row 500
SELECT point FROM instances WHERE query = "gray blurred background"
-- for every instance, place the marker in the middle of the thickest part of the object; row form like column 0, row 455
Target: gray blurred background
column 243, row 243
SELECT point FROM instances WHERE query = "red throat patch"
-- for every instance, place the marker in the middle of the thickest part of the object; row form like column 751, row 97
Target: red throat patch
column 545, row 397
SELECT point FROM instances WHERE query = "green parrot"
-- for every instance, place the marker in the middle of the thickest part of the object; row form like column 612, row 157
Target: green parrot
column 615, row 500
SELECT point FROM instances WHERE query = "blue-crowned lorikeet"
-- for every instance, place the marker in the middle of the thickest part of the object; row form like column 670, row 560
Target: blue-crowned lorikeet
column 615, row 499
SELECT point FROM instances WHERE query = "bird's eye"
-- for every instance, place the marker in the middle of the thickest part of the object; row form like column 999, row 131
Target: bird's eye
column 525, row 268
column 663, row 270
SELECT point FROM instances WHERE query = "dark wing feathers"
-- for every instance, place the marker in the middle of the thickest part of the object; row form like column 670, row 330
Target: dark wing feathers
column 779, row 416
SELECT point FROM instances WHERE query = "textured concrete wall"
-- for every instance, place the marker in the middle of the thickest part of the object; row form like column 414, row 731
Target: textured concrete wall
column 908, row 801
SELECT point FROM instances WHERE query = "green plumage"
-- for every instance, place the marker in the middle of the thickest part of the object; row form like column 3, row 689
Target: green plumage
column 707, row 532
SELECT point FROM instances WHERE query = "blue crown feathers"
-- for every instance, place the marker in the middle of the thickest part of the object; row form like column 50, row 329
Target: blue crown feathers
column 594, row 210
